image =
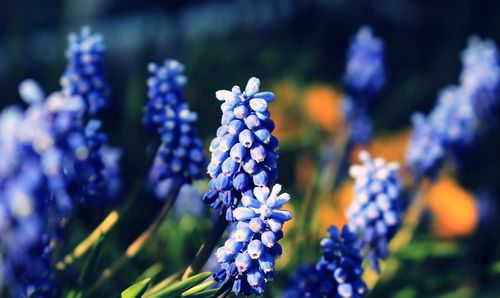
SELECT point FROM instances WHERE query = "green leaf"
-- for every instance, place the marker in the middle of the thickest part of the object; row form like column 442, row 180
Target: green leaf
column 198, row 288
column 177, row 288
column 203, row 294
column 495, row 268
column 73, row 294
column 152, row 271
column 90, row 263
column 136, row 290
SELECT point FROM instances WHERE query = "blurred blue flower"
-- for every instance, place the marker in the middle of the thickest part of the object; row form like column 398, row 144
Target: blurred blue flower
column 364, row 78
column 461, row 112
column 189, row 202
column 338, row 273
column 111, row 170
column 374, row 212
column 454, row 118
column 244, row 153
column 84, row 74
column 51, row 162
column 180, row 155
column 247, row 258
column 365, row 73
column 425, row 152
column 480, row 76
column 27, row 216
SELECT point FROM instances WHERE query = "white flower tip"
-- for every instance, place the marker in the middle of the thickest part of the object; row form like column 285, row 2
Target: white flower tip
column 30, row 91
column 355, row 170
column 252, row 86
column 364, row 156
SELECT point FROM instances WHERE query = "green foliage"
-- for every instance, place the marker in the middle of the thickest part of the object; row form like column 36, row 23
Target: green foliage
column 136, row 290
column 190, row 285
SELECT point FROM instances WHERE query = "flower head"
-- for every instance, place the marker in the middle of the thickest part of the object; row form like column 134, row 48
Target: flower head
column 364, row 78
column 51, row 162
column 454, row 118
column 247, row 258
column 425, row 152
column 480, row 76
column 244, row 153
column 84, row 74
column 365, row 72
column 180, row 155
column 338, row 273
column 374, row 212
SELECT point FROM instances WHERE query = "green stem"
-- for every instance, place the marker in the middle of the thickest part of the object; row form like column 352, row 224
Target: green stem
column 135, row 247
column 206, row 248
column 112, row 218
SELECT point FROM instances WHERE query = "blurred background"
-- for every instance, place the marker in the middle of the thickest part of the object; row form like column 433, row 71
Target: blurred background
column 298, row 49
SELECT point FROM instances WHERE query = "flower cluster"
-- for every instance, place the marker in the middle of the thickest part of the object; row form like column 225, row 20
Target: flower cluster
column 365, row 73
column 337, row 273
column 51, row 162
column 364, row 78
column 25, row 233
column 426, row 152
column 180, row 155
column 373, row 213
column 461, row 111
column 248, row 256
column 84, row 74
column 454, row 118
column 39, row 186
column 480, row 75
column 244, row 153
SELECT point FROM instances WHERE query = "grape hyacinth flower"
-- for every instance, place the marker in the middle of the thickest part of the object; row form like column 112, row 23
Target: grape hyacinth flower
column 51, row 162
column 454, row 118
column 248, row 256
column 111, row 171
column 244, row 153
column 425, row 152
column 460, row 113
column 365, row 73
column 374, row 212
column 180, row 156
column 338, row 273
column 480, row 76
column 24, row 234
column 84, row 74
column 364, row 78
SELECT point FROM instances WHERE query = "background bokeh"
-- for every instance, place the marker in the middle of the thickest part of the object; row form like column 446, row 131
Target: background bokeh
column 297, row 48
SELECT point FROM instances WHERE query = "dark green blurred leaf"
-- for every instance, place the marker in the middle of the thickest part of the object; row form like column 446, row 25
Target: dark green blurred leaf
column 74, row 294
column 151, row 272
column 90, row 263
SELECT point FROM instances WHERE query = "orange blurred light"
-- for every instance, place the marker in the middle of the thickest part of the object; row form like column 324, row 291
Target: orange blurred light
column 304, row 169
column 453, row 208
column 332, row 210
column 322, row 104
column 282, row 110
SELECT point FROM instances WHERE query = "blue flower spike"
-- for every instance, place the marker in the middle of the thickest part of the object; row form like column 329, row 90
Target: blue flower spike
column 247, row 258
column 244, row 152
column 374, row 212
column 166, row 114
column 364, row 78
column 365, row 71
column 338, row 273
column 84, row 74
